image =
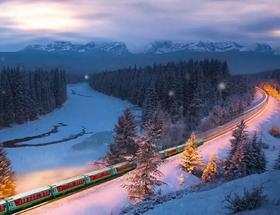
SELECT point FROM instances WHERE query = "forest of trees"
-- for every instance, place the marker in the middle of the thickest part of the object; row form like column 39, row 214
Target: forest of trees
column 186, row 90
column 24, row 94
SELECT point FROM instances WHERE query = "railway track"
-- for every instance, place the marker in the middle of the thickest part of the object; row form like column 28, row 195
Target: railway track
column 210, row 135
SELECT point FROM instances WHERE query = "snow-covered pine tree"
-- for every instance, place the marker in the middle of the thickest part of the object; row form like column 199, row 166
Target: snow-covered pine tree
column 256, row 159
column 210, row 171
column 7, row 186
column 7, row 101
column 195, row 111
column 217, row 116
column 237, row 163
column 141, row 183
column 124, row 147
column 240, row 136
column 149, row 105
column 190, row 158
column 236, row 166
column 277, row 163
column 154, row 128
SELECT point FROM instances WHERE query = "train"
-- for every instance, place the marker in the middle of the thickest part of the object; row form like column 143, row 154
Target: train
column 44, row 194
column 26, row 200
column 34, row 197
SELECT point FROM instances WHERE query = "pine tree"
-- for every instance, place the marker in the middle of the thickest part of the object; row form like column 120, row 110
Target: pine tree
column 236, row 166
column 217, row 116
column 190, row 158
column 7, row 186
column 149, row 105
column 256, row 158
column 237, row 163
column 142, row 182
column 124, row 147
column 240, row 136
column 8, row 116
column 277, row 163
column 210, row 171
column 154, row 128
column 195, row 111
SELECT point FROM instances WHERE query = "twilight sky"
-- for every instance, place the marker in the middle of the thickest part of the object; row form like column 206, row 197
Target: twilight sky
column 137, row 22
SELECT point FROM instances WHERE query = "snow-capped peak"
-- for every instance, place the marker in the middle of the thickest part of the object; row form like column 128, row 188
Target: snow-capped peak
column 116, row 48
column 167, row 46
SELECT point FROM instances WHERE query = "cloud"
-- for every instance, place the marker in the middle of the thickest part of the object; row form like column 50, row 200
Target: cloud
column 139, row 21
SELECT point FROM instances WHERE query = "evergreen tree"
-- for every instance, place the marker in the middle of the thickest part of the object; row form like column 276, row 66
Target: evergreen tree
column 124, row 147
column 7, row 186
column 27, row 94
column 244, row 158
column 240, row 136
column 195, row 111
column 154, row 127
column 277, row 163
column 190, row 158
column 142, row 182
column 149, row 105
column 183, row 90
column 210, row 171
column 236, row 166
column 217, row 116
column 256, row 158
column 7, row 103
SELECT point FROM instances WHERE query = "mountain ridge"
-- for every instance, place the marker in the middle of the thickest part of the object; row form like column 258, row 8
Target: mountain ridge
column 156, row 47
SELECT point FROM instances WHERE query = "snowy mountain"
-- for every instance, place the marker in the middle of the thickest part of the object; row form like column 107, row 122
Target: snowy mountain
column 156, row 47
column 116, row 48
column 167, row 46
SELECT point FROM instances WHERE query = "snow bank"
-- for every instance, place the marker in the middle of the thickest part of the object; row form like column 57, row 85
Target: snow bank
column 211, row 201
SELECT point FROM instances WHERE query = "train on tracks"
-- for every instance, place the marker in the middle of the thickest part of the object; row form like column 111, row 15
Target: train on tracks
column 44, row 194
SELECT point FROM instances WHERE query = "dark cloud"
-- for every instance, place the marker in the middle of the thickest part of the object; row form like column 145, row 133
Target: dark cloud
column 264, row 24
column 140, row 21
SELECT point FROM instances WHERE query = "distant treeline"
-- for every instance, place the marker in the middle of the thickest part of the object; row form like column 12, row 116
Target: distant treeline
column 185, row 89
column 24, row 94
column 273, row 75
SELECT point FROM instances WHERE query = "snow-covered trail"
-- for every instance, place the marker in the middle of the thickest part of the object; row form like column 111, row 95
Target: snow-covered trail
column 110, row 196
column 93, row 111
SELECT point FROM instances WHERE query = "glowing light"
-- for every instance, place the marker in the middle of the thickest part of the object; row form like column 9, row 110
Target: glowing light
column 39, row 16
column 86, row 77
column 171, row 93
column 222, row 86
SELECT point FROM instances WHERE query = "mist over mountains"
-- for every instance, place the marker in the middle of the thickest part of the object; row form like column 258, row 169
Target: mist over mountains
column 100, row 56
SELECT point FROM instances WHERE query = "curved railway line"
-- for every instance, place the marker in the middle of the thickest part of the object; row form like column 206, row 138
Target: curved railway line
column 41, row 196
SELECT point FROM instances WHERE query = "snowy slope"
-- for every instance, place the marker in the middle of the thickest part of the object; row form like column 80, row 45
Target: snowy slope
column 262, row 124
column 211, row 201
column 110, row 196
column 93, row 111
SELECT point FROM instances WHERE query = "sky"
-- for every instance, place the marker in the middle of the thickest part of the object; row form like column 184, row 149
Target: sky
column 138, row 22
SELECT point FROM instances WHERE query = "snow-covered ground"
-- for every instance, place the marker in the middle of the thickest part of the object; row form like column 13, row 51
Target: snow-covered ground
column 93, row 111
column 212, row 201
column 110, row 196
